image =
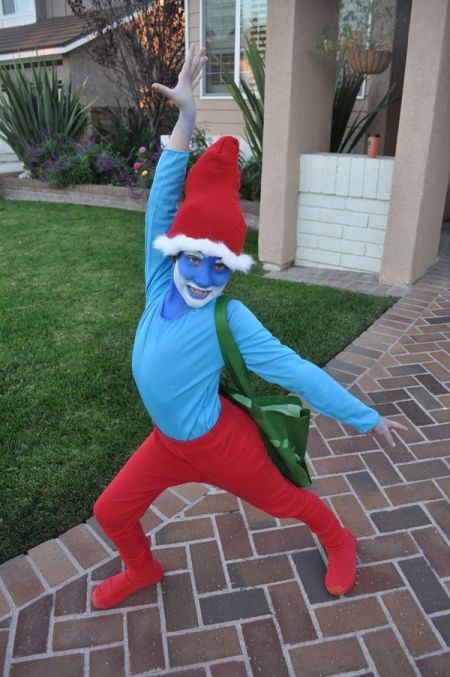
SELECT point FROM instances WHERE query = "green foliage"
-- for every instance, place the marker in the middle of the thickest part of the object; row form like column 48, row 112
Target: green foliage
column 199, row 143
column 128, row 129
column 33, row 106
column 251, row 103
column 71, row 170
column 63, row 162
column 251, row 179
column 70, row 299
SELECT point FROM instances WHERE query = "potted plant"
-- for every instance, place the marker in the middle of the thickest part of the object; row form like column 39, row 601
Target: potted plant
column 365, row 32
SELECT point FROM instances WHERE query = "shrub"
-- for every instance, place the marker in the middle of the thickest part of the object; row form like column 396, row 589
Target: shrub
column 251, row 179
column 199, row 143
column 126, row 131
column 34, row 107
column 64, row 162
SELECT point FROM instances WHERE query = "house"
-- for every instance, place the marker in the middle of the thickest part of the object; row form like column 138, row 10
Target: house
column 47, row 28
column 298, row 106
column 222, row 26
column 299, row 97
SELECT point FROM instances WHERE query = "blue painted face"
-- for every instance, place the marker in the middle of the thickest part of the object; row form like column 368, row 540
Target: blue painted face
column 202, row 274
column 196, row 280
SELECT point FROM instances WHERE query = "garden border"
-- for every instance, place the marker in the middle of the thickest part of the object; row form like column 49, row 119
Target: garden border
column 95, row 195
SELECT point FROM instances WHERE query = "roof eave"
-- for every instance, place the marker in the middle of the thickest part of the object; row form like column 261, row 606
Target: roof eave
column 48, row 51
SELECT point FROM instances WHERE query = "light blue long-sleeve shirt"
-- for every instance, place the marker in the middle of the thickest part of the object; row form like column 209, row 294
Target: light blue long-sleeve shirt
column 177, row 363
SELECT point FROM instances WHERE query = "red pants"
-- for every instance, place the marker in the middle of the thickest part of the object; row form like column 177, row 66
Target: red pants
column 231, row 456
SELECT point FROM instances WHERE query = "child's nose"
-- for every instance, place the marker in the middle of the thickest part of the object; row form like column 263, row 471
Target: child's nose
column 203, row 275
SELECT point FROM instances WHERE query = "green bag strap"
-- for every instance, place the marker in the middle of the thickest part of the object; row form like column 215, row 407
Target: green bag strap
column 230, row 351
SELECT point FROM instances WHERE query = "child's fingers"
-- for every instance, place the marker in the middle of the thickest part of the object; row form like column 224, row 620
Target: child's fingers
column 197, row 59
column 190, row 55
column 162, row 89
column 197, row 75
column 397, row 426
column 389, row 438
column 187, row 65
column 197, row 79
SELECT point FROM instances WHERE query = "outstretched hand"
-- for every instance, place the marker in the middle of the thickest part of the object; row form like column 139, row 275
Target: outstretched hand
column 189, row 77
column 384, row 427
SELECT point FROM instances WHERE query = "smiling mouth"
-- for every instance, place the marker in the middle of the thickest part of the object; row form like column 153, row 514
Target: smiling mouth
column 201, row 293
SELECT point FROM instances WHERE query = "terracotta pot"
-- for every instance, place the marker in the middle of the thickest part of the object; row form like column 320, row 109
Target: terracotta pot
column 373, row 145
column 368, row 61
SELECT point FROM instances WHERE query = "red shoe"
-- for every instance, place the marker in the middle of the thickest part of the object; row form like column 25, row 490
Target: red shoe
column 114, row 590
column 341, row 570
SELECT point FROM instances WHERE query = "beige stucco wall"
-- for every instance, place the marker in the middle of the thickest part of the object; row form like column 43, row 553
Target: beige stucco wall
column 99, row 85
column 422, row 164
column 217, row 116
column 56, row 8
column 298, row 108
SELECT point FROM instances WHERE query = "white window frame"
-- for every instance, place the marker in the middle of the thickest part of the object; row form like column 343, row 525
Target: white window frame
column 18, row 19
column 237, row 41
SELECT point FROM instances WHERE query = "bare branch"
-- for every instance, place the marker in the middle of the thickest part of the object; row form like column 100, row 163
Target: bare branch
column 142, row 42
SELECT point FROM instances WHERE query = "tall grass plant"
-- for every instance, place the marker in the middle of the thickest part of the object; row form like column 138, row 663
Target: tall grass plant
column 249, row 100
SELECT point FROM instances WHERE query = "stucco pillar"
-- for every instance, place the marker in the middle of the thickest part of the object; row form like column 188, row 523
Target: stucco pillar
column 297, row 116
column 422, row 161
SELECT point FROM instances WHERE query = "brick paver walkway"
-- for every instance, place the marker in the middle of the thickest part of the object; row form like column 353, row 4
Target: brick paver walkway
column 243, row 593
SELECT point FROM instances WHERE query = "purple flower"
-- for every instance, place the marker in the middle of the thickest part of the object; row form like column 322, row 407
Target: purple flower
column 142, row 149
column 137, row 165
column 55, row 165
column 106, row 163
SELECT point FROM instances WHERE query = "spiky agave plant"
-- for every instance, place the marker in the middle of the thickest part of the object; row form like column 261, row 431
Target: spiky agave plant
column 33, row 106
column 251, row 102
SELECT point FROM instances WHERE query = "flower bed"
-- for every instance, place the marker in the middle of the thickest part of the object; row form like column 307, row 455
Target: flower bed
column 62, row 162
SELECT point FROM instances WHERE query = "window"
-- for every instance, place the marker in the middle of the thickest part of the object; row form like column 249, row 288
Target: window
column 226, row 26
column 16, row 6
column 17, row 12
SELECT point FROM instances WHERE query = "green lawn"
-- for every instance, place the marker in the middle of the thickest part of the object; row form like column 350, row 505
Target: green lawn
column 70, row 298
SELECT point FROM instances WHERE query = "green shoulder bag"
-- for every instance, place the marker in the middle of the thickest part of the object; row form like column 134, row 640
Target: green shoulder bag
column 282, row 420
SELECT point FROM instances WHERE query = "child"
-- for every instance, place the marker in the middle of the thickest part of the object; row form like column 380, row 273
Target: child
column 198, row 436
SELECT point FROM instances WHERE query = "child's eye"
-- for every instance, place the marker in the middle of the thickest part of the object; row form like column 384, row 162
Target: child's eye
column 219, row 266
column 194, row 259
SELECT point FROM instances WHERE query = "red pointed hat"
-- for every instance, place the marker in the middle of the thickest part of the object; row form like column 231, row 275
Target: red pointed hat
column 210, row 219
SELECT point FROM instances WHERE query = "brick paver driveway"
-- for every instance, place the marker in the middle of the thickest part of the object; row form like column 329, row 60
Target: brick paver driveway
column 243, row 593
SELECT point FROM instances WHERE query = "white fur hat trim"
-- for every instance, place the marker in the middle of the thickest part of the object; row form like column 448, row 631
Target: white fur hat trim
column 170, row 246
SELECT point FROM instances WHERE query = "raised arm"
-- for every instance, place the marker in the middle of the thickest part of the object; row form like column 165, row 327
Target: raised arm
column 170, row 172
column 183, row 97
